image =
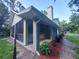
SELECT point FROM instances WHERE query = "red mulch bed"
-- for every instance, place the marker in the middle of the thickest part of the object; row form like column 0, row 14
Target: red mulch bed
column 56, row 49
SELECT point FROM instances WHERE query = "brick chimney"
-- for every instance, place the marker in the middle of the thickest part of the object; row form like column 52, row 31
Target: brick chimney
column 50, row 12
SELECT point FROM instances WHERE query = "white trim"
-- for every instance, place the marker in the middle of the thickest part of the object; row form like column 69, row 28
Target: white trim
column 51, row 34
column 35, row 35
column 16, row 19
column 31, row 48
column 28, row 47
column 57, row 32
column 18, row 41
column 24, row 31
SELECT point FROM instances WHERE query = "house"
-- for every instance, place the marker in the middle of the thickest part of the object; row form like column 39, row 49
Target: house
column 30, row 27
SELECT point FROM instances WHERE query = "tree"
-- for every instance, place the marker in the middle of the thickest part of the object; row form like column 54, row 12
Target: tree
column 20, row 6
column 3, row 14
column 15, row 6
column 12, row 5
column 63, row 25
column 74, row 22
column 71, row 27
column 74, row 18
column 74, row 3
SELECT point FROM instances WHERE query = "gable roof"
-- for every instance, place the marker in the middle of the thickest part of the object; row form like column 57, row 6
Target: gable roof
column 34, row 14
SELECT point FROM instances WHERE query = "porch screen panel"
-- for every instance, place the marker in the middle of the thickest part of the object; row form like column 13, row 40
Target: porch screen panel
column 30, row 31
column 19, row 31
column 54, row 32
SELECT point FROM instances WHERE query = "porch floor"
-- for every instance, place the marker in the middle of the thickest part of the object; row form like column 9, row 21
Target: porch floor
column 24, row 53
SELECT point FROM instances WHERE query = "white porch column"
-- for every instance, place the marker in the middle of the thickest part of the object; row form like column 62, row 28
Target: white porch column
column 57, row 32
column 35, row 36
column 24, row 31
column 10, row 32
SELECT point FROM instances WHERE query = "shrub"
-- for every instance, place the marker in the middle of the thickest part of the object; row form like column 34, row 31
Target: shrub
column 4, row 32
column 44, row 49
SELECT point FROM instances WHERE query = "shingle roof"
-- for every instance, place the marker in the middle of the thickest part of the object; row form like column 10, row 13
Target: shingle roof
column 32, row 13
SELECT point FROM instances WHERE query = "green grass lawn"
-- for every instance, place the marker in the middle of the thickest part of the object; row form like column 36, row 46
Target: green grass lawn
column 77, row 53
column 74, row 40
column 6, row 49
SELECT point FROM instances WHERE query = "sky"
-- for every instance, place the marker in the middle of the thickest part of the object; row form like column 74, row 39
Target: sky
column 61, row 9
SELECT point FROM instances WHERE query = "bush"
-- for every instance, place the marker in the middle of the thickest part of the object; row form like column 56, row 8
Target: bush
column 44, row 49
column 59, row 37
column 4, row 32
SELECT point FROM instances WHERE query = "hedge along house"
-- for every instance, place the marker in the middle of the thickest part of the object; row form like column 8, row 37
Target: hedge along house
column 32, row 27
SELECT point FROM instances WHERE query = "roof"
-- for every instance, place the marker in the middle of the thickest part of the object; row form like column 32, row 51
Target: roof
column 34, row 14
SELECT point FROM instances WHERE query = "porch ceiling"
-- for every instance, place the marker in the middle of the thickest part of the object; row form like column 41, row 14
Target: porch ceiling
column 33, row 14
